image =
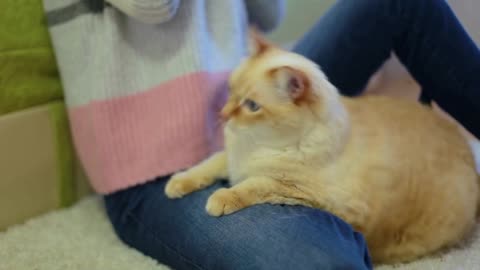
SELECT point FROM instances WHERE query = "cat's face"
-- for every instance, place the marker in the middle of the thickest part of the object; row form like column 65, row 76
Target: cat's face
column 275, row 89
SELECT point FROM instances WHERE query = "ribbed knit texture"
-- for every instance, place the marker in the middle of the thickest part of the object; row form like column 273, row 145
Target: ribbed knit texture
column 143, row 98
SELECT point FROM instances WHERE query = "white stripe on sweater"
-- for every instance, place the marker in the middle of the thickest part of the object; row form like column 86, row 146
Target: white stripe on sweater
column 125, row 56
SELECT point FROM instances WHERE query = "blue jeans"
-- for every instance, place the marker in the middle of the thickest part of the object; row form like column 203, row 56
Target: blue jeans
column 181, row 234
column 350, row 42
column 356, row 37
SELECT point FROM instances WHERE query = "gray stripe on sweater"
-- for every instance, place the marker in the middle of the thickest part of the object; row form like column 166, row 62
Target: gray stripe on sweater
column 70, row 12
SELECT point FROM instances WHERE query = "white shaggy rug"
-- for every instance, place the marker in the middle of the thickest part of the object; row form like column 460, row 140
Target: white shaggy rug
column 78, row 238
column 81, row 238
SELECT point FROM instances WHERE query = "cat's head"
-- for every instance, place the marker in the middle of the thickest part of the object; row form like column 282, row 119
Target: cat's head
column 277, row 89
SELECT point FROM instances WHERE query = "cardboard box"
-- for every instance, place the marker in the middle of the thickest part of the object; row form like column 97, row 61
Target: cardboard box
column 38, row 169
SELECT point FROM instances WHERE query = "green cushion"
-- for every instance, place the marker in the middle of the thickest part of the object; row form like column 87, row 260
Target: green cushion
column 28, row 72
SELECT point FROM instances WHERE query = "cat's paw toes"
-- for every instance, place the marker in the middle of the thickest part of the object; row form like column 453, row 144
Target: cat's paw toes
column 223, row 202
column 180, row 185
column 174, row 189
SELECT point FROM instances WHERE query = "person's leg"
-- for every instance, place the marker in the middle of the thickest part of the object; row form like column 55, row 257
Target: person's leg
column 349, row 42
column 355, row 37
column 182, row 235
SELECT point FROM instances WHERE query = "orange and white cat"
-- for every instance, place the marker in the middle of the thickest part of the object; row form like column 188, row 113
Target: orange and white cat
column 394, row 170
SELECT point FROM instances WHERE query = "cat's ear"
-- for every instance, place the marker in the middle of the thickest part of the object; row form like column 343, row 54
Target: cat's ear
column 291, row 82
column 257, row 44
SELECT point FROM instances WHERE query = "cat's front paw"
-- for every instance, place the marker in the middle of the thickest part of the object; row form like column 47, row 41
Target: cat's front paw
column 181, row 184
column 223, row 202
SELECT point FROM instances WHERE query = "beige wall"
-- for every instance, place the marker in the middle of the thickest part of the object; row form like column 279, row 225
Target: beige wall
column 469, row 13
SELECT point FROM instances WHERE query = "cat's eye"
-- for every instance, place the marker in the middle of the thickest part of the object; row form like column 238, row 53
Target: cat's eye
column 251, row 105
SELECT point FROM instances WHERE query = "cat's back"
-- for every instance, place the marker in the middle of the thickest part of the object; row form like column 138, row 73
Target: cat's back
column 407, row 146
column 413, row 163
column 403, row 122
column 408, row 139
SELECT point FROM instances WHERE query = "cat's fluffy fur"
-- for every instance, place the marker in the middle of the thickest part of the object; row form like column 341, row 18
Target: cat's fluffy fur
column 393, row 169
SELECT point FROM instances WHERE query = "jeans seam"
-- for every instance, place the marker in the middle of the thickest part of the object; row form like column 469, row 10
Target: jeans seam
column 155, row 236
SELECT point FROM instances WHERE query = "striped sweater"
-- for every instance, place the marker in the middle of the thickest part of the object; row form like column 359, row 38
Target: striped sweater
column 144, row 79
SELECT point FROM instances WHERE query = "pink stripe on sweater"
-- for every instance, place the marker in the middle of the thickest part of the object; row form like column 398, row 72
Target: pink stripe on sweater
column 129, row 140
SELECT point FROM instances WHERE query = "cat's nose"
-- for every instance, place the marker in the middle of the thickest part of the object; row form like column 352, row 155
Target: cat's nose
column 225, row 114
column 227, row 111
